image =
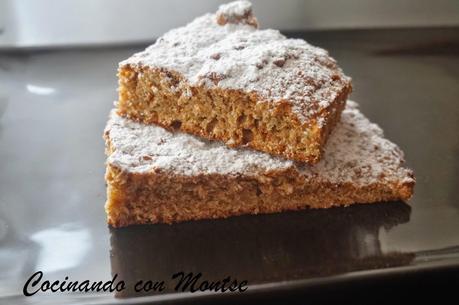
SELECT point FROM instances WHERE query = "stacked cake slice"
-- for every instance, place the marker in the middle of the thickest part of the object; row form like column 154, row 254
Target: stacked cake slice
column 219, row 118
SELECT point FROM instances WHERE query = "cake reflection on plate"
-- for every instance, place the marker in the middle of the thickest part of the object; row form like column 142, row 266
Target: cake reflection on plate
column 259, row 249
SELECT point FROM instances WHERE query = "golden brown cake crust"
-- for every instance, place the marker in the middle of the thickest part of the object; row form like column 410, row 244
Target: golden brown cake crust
column 154, row 175
column 221, row 78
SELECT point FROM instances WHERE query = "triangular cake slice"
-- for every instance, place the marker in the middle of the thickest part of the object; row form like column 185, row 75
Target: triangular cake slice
column 222, row 78
column 155, row 175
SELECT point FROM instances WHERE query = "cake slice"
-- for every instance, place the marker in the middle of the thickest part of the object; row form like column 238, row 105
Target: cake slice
column 222, row 78
column 155, row 175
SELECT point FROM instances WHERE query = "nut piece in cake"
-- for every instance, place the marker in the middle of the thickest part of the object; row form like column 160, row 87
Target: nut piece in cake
column 157, row 176
column 222, row 78
column 238, row 12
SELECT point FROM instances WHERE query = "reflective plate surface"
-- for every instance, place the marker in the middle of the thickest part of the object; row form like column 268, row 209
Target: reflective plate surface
column 53, row 108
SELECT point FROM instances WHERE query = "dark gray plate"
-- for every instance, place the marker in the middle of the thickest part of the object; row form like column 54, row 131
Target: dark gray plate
column 53, row 107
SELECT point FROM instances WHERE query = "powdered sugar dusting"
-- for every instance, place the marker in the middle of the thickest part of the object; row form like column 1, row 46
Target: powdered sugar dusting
column 356, row 152
column 232, row 53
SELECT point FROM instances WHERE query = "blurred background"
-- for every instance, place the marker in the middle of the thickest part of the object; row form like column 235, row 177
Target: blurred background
column 43, row 23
